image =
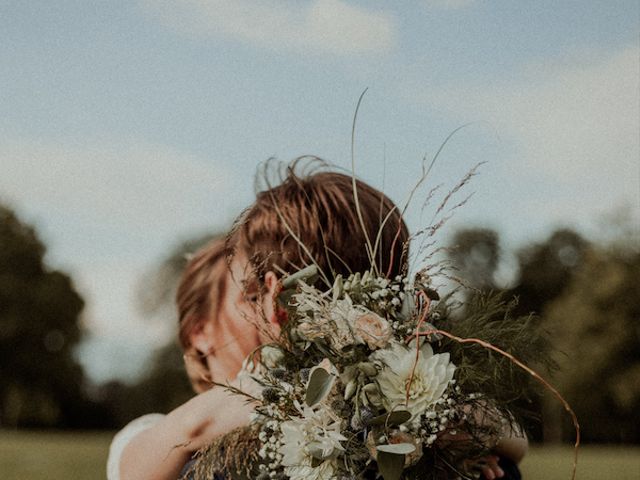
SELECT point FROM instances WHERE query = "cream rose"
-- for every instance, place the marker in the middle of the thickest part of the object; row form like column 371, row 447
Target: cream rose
column 374, row 330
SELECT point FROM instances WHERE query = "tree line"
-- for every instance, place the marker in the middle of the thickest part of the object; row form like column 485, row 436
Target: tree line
column 586, row 294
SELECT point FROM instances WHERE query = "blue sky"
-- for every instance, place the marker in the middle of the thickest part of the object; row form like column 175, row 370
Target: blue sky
column 128, row 126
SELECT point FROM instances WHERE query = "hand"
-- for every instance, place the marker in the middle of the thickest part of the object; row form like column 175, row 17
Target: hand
column 487, row 465
column 161, row 451
column 211, row 414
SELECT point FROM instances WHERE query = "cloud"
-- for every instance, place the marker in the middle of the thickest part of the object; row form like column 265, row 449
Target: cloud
column 572, row 125
column 322, row 26
column 133, row 187
column 117, row 340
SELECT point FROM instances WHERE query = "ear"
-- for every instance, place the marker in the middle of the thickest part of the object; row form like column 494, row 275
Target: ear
column 200, row 337
column 270, row 304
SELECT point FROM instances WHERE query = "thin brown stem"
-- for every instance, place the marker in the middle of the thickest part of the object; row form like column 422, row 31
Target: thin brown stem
column 531, row 372
column 423, row 317
column 393, row 247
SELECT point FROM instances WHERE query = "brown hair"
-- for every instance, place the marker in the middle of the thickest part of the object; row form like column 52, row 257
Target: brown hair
column 200, row 288
column 319, row 208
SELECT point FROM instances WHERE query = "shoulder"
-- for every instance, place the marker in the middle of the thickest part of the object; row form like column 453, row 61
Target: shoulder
column 123, row 437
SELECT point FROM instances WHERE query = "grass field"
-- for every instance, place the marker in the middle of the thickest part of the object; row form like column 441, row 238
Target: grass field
column 53, row 456
column 82, row 456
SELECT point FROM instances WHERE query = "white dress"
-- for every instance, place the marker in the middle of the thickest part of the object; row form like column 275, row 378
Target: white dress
column 123, row 437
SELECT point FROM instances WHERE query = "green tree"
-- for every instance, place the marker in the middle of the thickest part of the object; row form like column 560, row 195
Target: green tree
column 587, row 296
column 164, row 387
column 546, row 268
column 40, row 381
column 475, row 254
column 595, row 324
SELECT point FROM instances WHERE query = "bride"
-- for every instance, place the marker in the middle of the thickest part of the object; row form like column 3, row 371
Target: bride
column 306, row 219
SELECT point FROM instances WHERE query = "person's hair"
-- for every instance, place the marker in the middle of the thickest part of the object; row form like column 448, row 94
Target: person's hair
column 312, row 217
column 200, row 288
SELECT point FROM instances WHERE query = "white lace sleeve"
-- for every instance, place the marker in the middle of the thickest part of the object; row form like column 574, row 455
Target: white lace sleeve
column 123, row 437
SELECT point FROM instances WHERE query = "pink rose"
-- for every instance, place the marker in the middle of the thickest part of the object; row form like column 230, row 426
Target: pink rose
column 374, row 330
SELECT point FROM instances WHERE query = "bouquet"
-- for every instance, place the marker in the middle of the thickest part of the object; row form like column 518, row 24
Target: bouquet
column 378, row 377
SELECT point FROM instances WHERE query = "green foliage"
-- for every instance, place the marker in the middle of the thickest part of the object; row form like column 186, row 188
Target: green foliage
column 395, row 418
column 162, row 389
column 596, row 324
column 546, row 268
column 320, row 383
column 475, row 253
column 588, row 297
column 40, row 381
column 391, row 465
column 490, row 318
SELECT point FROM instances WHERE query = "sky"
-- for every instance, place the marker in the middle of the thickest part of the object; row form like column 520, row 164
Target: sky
column 129, row 126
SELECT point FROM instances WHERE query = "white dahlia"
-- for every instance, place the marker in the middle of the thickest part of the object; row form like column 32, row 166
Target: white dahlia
column 315, row 435
column 432, row 375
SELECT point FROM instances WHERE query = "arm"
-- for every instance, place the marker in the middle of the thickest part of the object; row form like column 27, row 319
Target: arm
column 509, row 441
column 513, row 445
column 160, row 452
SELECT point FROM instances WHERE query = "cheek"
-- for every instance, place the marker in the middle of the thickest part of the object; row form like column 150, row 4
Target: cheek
column 236, row 337
column 245, row 331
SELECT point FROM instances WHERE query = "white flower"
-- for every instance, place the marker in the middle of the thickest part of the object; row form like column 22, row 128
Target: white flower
column 330, row 322
column 324, row 471
column 342, row 314
column 315, row 435
column 271, row 356
column 339, row 322
column 432, row 375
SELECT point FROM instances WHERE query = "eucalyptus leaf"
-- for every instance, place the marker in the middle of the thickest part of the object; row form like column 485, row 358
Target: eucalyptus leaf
column 368, row 368
column 350, row 389
column 319, row 385
column 408, row 307
column 338, row 288
column 307, row 273
column 390, row 465
column 397, row 448
column 431, row 293
column 392, row 419
column 285, row 296
column 370, row 395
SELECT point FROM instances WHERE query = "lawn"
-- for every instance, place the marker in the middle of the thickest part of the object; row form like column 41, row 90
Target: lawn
column 82, row 456
column 53, row 456
column 594, row 463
